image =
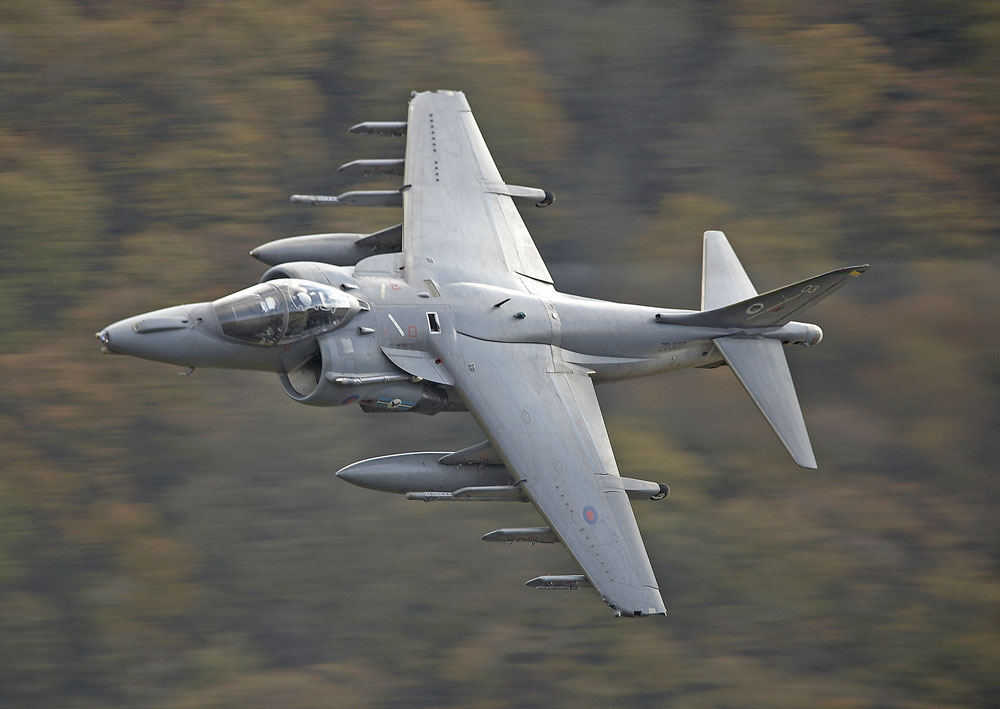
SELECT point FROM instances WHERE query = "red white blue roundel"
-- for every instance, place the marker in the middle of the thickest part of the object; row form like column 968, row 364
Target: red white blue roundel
column 589, row 515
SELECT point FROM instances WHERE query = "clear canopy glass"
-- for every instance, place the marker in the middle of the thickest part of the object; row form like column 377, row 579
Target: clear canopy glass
column 283, row 310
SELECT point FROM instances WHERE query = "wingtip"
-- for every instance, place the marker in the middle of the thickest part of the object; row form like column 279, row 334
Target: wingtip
column 806, row 459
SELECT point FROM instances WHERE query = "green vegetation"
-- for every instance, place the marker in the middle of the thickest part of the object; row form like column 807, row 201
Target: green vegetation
column 181, row 542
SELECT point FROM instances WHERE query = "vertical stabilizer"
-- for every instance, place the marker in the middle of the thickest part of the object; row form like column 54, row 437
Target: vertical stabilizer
column 723, row 280
column 760, row 365
column 729, row 301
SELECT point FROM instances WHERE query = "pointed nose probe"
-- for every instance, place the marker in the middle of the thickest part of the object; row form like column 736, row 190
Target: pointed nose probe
column 105, row 338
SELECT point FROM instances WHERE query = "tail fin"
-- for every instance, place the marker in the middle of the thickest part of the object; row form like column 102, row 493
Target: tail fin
column 729, row 300
column 723, row 280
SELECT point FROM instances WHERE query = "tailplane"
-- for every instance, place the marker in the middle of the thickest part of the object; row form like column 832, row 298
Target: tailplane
column 762, row 369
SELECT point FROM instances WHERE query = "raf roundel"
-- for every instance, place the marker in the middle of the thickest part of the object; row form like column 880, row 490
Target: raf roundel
column 589, row 515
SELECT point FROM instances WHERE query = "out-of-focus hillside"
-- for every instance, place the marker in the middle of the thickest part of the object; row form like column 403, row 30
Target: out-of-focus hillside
column 182, row 542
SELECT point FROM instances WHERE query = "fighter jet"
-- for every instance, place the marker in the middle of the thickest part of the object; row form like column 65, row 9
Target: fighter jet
column 454, row 310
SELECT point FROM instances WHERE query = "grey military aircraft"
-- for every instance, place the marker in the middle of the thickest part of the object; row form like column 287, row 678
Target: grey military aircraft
column 454, row 310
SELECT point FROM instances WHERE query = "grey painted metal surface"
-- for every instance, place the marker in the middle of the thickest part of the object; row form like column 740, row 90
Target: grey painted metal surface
column 532, row 535
column 392, row 166
column 454, row 310
column 760, row 366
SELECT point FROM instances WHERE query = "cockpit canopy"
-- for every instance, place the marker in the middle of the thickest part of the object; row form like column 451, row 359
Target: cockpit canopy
column 284, row 310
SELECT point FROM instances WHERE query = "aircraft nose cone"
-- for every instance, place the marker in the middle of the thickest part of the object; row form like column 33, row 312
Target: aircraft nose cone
column 162, row 335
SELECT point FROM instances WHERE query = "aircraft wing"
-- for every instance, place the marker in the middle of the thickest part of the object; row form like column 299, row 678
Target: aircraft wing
column 460, row 226
column 542, row 416
column 459, row 218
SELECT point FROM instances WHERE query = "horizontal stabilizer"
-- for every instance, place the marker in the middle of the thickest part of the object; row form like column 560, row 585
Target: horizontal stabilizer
column 772, row 309
column 569, row 582
column 760, row 365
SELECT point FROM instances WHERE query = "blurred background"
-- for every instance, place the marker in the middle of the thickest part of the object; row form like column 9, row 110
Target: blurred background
column 182, row 542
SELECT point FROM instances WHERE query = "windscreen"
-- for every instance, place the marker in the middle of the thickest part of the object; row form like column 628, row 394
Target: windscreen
column 282, row 311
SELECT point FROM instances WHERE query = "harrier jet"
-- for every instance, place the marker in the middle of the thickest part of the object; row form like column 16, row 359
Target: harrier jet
column 454, row 310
